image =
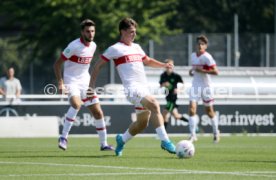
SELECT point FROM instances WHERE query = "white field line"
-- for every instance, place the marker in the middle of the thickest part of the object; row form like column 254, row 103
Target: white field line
column 165, row 171
column 129, row 173
column 183, row 135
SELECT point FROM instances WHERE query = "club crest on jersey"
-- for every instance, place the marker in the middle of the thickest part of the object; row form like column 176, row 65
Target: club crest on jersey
column 67, row 51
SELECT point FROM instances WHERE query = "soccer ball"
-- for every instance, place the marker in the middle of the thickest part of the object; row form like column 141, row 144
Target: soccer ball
column 185, row 149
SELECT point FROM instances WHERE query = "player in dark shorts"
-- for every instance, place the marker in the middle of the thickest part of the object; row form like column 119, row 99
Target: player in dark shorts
column 169, row 80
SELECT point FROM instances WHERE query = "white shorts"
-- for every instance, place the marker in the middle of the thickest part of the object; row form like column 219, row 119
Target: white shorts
column 81, row 90
column 134, row 95
column 205, row 93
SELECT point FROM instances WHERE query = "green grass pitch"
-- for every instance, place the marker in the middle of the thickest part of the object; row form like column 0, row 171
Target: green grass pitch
column 235, row 157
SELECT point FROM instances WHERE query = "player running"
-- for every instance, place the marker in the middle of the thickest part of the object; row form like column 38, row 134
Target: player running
column 129, row 59
column 76, row 59
column 169, row 79
column 203, row 64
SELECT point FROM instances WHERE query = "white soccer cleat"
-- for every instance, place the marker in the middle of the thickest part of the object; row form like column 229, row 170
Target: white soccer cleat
column 193, row 138
column 62, row 143
column 216, row 137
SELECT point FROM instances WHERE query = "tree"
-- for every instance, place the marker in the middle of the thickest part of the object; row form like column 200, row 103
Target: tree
column 216, row 16
column 47, row 26
column 9, row 56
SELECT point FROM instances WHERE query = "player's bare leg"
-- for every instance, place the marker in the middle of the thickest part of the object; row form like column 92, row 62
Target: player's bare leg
column 166, row 115
column 179, row 116
column 140, row 124
column 136, row 127
column 214, row 120
column 152, row 104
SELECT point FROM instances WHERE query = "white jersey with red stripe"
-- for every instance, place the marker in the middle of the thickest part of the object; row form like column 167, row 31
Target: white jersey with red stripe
column 77, row 56
column 205, row 61
column 128, row 60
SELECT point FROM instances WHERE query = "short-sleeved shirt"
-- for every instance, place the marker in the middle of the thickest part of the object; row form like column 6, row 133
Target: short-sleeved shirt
column 173, row 79
column 128, row 60
column 201, row 85
column 77, row 56
column 10, row 86
column 205, row 61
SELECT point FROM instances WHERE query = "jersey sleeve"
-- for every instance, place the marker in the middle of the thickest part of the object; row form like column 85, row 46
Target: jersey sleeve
column 18, row 85
column 67, row 52
column 108, row 54
column 179, row 79
column 162, row 79
column 209, row 60
column 142, row 52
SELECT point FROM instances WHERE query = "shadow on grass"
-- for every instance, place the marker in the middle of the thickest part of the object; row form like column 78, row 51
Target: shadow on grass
column 59, row 156
column 66, row 155
column 253, row 161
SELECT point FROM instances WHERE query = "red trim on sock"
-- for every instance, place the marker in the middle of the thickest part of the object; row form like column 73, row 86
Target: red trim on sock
column 69, row 119
column 100, row 129
column 140, row 108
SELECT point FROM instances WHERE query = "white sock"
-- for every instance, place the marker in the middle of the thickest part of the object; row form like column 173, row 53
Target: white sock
column 68, row 122
column 214, row 121
column 101, row 130
column 162, row 133
column 197, row 120
column 127, row 136
column 192, row 124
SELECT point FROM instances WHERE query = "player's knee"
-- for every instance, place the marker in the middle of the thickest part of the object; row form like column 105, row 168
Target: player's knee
column 97, row 113
column 192, row 111
column 210, row 114
column 154, row 106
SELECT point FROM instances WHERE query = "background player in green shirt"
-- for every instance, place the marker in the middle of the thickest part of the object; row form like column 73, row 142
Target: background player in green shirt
column 169, row 80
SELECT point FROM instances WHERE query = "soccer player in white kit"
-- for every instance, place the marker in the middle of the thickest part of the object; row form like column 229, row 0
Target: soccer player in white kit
column 76, row 59
column 203, row 65
column 129, row 59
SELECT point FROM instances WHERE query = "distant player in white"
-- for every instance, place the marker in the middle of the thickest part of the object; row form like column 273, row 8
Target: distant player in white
column 203, row 65
column 130, row 59
column 76, row 59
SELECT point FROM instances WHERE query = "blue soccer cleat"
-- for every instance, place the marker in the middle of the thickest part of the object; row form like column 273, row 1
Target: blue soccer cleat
column 168, row 146
column 120, row 145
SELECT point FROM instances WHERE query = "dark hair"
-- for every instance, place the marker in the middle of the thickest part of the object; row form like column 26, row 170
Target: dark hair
column 86, row 22
column 169, row 60
column 126, row 23
column 202, row 38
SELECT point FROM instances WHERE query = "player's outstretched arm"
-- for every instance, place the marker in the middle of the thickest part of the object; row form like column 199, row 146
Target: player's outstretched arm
column 156, row 64
column 214, row 71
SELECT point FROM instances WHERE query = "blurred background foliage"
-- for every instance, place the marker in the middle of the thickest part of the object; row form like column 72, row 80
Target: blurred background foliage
column 37, row 31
